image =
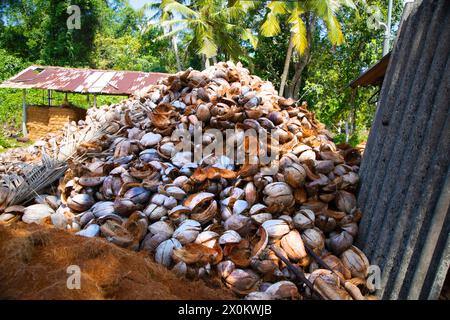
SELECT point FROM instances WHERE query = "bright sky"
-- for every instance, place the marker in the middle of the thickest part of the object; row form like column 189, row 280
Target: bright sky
column 137, row 4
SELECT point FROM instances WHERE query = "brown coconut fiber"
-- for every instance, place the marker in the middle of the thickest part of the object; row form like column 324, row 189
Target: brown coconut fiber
column 34, row 261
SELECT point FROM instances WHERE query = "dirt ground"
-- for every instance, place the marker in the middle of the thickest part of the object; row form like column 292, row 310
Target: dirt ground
column 34, row 261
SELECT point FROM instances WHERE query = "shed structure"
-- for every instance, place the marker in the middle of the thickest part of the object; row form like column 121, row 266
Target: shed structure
column 73, row 80
column 374, row 76
column 405, row 174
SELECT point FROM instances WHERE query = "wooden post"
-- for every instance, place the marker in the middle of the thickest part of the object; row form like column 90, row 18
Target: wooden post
column 353, row 111
column 24, row 112
column 49, row 96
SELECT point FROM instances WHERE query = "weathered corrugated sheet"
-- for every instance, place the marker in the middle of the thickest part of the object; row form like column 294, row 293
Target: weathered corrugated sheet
column 373, row 76
column 404, row 191
column 83, row 80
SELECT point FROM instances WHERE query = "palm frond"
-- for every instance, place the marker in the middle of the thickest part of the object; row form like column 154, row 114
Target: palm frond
column 334, row 30
column 225, row 38
column 38, row 179
column 298, row 30
column 270, row 26
column 165, row 16
column 237, row 8
column 174, row 6
column 52, row 167
column 208, row 48
column 326, row 10
column 348, row 3
column 171, row 33
column 277, row 7
column 174, row 21
column 232, row 12
column 322, row 7
column 150, row 6
column 250, row 37
column 245, row 4
column 73, row 138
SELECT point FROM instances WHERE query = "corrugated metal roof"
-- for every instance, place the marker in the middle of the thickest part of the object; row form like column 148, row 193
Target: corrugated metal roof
column 405, row 172
column 373, row 76
column 83, row 80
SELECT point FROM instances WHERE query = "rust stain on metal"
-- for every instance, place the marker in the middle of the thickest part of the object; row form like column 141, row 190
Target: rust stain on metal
column 83, row 80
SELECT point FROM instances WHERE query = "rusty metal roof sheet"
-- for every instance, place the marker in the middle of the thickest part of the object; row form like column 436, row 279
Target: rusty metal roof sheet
column 83, row 80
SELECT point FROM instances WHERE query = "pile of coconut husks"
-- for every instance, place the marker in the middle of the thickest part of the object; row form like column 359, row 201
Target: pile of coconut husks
column 213, row 175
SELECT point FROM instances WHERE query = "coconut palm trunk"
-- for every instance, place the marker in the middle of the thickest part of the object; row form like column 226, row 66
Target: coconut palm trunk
column 287, row 62
column 206, row 62
column 159, row 14
column 303, row 61
column 301, row 16
column 175, row 47
column 175, row 50
column 299, row 67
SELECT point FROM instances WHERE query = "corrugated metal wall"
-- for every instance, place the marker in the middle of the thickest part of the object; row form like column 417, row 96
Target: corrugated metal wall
column 405, row 192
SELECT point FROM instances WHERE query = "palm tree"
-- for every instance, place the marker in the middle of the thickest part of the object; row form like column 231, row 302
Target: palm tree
column 160, row 15
column 302, row 17
column 213, row 26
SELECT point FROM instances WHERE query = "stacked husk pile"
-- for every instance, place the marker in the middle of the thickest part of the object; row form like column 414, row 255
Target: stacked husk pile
column 37, row 121
column 13, row 161
column 43, row 119
column 266, row 231
column 20, row 161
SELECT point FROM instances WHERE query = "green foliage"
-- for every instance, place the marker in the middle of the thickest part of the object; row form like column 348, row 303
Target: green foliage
column 213, row 25
column 37, row 31
column 333, row 68
column 8, row 143
column 69, row 47
column 126, row 53
column 10, row 100
column 353, row 140
column 322, row 9
column 269, row 58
